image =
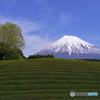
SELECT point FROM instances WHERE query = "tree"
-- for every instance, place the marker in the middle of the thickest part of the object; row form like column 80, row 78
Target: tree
column 11, row 38
column 14, row 55
column 52, row 56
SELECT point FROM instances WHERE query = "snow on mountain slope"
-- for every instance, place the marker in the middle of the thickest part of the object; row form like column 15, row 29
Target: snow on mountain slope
column 71, row 45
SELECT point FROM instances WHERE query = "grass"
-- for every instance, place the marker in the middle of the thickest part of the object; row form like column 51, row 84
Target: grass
column 48, row 79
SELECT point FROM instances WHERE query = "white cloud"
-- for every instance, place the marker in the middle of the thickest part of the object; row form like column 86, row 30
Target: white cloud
column 95, row 50
column 34, row 43
column 26, row 26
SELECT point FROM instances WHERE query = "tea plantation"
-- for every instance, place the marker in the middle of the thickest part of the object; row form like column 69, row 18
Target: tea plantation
column 48, row 79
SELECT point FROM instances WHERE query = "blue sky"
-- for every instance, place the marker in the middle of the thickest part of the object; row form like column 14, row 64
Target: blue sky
column 45, row 21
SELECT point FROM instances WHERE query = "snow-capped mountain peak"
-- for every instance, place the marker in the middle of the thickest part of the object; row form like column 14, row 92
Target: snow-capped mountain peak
column 70, row 44
column 71, row 47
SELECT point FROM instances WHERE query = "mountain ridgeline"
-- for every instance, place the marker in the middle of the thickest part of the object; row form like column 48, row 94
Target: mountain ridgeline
column 71, row 47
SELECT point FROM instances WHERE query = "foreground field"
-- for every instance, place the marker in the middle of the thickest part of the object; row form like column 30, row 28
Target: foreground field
column 48, row 79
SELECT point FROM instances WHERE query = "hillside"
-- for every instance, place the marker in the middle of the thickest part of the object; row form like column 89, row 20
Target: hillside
column 48, row 79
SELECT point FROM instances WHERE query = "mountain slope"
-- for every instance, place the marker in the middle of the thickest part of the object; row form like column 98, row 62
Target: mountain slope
column 71, row 47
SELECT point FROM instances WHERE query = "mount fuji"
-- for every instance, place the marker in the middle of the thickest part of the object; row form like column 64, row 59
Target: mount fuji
column 71, row 47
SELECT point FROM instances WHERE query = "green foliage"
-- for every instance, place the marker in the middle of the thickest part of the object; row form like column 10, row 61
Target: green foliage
column 88, row 59
column 10, row 38
column 12, row 55
column 40, row 56
column 1, row 57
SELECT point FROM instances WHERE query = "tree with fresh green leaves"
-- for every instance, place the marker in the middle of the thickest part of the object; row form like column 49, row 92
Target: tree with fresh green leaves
column 11, row 38
column 18, row 54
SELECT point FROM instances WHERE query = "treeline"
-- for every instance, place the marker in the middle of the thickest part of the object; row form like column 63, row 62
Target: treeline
column 13, row 55
column 86, row 59
column 41, row 56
